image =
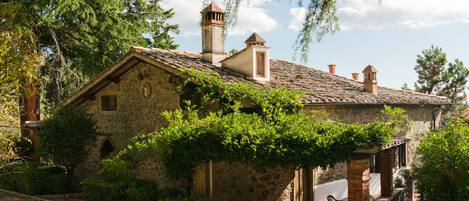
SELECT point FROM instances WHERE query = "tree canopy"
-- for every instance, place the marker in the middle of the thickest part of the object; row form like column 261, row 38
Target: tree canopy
column 430, row 66
column 443, row 172
column 78, row 39
column 437, row 76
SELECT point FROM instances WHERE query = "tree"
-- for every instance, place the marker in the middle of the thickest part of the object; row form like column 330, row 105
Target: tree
column 454, row 82
column 67, row 137
column 430, row 67
column 405, row 87
column 443, row 172
column 79, row 38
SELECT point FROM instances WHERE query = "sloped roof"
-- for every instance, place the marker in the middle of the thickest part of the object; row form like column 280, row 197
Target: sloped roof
column 255, row 38
column 318, row 86
column 214, row 8
column 370, row 68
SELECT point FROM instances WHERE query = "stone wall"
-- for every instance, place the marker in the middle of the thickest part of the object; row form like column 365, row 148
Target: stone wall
column 421, row 116
column 136, row 113
column 241, row 182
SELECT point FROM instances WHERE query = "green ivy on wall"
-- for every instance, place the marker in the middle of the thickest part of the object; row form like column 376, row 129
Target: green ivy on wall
column 248, row 123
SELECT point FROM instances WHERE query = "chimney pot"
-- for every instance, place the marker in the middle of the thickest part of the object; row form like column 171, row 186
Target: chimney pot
column 332, row 69
column 355, row 76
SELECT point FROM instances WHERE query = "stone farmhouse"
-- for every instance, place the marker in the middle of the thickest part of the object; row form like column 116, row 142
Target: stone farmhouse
column 129, row 96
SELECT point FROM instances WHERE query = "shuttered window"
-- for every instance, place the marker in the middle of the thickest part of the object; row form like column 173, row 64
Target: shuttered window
column 108, row 103
column 260, row 64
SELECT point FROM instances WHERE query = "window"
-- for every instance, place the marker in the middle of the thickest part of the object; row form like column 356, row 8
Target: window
column 108, row 103
column 260, row 64
column 402, row 151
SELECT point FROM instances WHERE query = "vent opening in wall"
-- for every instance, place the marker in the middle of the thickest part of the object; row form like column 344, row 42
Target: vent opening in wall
column 260, row 64
column 109, row 103
column 106, row 149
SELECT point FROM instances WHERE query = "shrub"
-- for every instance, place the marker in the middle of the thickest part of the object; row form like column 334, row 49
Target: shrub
column 116, row 182
column 67, row 136
column 35, row 180
column 443, row 173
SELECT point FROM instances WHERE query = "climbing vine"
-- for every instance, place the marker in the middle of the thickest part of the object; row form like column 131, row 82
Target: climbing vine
column 244, row 122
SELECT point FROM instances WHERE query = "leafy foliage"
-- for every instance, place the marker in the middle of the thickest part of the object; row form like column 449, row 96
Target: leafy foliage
column 436, row 78
column 67, row 136
column 79, row 38
column 271, row 131
column 17, row 66
column 454, row 82
column 430, row 67
column 35, row 180
column 443, row 173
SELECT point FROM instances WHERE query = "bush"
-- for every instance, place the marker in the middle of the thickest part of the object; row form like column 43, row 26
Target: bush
column 67, row 136
column 35, row 180
column 100, row 189
column 443, row 173
column 116, row 182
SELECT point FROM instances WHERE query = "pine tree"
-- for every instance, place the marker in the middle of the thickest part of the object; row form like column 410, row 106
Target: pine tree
column 430, row 67
column 454, row 82
column 71, row 41
column 80, row 38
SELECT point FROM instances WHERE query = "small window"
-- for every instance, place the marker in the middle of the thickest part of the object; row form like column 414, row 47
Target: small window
column 260, row 64
column 402, row 151
column 109, row 103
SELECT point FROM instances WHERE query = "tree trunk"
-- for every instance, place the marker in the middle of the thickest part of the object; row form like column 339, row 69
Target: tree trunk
column 29, row 107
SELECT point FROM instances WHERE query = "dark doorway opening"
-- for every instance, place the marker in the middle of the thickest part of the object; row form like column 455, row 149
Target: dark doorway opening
column 106, row 149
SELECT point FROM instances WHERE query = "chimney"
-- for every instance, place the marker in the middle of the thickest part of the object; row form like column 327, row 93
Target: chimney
column 370, row 83
column 332, row 69
column 213, row 24
column 355, row 76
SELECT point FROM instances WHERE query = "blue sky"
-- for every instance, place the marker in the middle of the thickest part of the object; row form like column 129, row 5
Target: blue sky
column 387, row 35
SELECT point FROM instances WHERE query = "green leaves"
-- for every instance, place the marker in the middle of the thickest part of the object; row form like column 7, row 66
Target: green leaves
column 443, row 172
column 67, row 137
column 274, row 132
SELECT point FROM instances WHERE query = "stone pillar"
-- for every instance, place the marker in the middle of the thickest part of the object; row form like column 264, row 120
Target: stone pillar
column 386, row 163
column 358, row 175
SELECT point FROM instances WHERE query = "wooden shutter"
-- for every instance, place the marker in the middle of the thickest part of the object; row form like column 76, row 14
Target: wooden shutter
column 260, row 64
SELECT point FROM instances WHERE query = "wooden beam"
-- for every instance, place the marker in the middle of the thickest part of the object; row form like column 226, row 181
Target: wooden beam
column 116, row 80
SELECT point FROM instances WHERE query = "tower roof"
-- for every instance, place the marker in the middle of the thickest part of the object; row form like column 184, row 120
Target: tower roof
column 212, row 7
column 255, row 38
column 370, row 68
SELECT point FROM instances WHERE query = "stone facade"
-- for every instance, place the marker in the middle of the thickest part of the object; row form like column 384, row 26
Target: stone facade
column 142, row 94
column 236, row 182
column 422, row 117
column 145, row 91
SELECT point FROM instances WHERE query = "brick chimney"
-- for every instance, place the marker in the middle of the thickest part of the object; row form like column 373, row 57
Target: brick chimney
column 332, row 69
column 370, row 83
column 213, row 24
column 355, row 76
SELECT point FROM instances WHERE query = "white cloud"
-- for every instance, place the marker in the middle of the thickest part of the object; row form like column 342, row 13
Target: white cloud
column 298, row 18
column 252, row 16
column 376, row 14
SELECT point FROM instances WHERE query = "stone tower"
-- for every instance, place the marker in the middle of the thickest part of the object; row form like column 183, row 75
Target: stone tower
column 213, row 24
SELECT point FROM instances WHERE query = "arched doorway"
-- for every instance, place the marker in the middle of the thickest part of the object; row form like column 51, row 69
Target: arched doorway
column 106, row 149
